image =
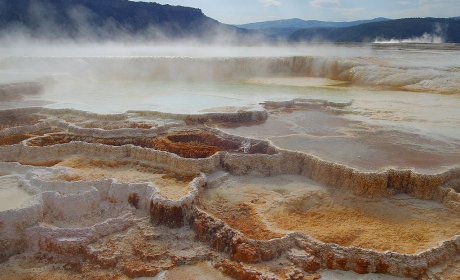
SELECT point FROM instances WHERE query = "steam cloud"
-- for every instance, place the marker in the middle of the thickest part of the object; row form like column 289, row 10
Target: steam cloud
column 44, row 22
column 437, row 37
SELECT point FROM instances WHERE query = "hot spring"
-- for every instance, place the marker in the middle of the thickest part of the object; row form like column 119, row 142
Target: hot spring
column 154, row 161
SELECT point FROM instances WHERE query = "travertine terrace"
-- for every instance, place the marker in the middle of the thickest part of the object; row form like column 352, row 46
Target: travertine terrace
column 299, row 188
column 107, row 202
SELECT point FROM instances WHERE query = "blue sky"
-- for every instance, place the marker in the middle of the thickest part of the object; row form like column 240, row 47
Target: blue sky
column 246, row 11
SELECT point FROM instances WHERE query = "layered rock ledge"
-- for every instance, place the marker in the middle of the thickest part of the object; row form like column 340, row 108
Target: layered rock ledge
column 72, row 213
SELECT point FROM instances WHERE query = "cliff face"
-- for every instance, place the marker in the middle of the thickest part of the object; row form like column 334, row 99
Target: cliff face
column 106, row 19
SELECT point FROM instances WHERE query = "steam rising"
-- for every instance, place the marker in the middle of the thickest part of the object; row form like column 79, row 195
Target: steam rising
column 81, row 68
column 437, row 37
column 114, row 129
column 47, row 22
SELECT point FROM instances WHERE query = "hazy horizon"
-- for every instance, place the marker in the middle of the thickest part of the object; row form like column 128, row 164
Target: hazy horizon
column 241, row 12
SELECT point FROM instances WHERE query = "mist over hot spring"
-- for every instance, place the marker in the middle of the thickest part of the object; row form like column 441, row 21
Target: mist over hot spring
column 140, row 140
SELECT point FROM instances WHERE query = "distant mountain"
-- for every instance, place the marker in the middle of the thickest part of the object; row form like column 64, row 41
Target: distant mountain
column 288, row 26
column 280, row 33
column 301, row 24
column 110, row 19
column 415, row 29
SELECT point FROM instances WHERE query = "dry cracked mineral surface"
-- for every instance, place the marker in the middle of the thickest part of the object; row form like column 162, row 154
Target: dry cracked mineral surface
column 270, row 168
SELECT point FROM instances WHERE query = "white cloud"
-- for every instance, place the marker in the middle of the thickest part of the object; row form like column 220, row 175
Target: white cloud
column 334, row 5
column 348, row 11
column 431, row 9
column 268, row 3
column 404, row 2
column 325, row 3
column 433, row 1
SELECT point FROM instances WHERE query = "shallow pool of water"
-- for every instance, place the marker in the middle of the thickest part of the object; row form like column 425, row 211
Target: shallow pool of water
column 11, row 196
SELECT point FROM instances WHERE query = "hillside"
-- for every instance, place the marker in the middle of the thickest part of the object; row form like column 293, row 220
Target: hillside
column 411, row 28
column 108, row 19
column 300, row 23
column 288, row 26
